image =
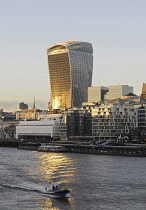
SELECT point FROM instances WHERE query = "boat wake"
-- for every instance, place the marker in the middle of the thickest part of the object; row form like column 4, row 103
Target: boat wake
column 20, row 188
column 39, row 189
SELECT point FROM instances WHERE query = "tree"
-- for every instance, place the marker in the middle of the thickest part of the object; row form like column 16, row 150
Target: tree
column 2, row 133
column 10, row 130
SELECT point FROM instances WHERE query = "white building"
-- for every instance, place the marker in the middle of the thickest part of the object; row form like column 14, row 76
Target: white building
column 43, row 130
column 111, row 120
column 118, row 90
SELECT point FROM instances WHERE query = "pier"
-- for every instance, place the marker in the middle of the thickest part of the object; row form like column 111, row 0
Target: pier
column 139, row 151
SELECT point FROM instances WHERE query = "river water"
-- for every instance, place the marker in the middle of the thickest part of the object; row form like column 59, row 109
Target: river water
column 96, row 181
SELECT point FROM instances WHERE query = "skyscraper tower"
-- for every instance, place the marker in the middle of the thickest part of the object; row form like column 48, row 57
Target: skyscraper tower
column 70, row 68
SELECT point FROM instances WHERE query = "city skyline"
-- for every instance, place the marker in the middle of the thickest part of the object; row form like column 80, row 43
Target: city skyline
column 115, row 29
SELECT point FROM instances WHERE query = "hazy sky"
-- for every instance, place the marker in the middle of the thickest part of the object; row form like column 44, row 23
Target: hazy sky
column 116, row 29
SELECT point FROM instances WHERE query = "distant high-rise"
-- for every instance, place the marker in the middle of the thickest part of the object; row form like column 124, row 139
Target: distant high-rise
column 70, row 68
column 96, row 94
column 118, row 90
column 22, row 105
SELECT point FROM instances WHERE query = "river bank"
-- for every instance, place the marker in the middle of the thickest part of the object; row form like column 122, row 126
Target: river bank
column 137, row 150
column 124, row 150
column 4, row 142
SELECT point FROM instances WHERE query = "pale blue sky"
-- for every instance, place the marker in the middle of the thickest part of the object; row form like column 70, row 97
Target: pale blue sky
column 116, row 29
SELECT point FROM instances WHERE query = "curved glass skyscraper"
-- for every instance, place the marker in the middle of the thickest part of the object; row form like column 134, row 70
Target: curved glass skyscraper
column 70, row 69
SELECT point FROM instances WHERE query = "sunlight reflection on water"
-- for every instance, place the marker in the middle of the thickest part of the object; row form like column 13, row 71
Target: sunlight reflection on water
column 61, row 170
column 55, row 166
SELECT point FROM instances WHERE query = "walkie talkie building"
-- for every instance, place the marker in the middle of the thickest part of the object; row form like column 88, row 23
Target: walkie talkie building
column 70, row 68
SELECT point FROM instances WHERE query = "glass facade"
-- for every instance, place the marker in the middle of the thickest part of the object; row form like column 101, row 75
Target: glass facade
column 70, row 69
column 74, row 124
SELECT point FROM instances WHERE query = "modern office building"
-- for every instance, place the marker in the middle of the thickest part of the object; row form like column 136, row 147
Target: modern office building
column 96, row 94
column 70, row 69
column 75, row 124
column 118, row 90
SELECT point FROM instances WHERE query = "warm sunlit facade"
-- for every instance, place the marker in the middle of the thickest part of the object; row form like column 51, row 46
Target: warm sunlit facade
column 70, row 69
column 116, row 91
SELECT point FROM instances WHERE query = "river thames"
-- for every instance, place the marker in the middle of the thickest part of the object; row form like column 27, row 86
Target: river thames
column 95, row 181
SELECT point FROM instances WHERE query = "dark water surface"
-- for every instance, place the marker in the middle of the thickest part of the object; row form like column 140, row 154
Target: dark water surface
column 96, row 181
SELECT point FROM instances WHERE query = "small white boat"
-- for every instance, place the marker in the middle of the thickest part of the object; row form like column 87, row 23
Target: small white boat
column 51, row 148
column 54, row 192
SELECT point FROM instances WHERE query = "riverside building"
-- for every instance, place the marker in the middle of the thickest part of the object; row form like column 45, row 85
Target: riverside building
column 39, row 131
column 75, row 124
column 70, row 69
column 111, row 120
column 141, row 118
